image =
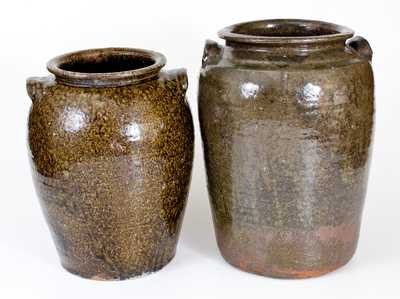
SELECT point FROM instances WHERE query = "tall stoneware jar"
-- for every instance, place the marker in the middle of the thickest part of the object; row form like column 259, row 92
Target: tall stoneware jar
column 286, row 110
column 111, row 145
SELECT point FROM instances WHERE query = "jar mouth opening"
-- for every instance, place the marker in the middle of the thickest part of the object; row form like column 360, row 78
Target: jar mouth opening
column 106, row 66
column 285, row 31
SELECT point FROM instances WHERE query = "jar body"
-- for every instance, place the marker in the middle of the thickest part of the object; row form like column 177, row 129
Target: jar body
column 112, row 170
column 287, row 141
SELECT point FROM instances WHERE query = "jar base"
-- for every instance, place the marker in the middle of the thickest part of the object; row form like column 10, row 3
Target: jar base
column 107, row 277
column 275, row 272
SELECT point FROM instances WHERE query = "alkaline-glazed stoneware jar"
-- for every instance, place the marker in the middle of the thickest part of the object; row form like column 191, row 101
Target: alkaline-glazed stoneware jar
column 286, row 110
column 111, row 145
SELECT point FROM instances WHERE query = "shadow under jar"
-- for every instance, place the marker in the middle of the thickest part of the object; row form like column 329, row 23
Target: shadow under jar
column 111, row 146
column 286, row 112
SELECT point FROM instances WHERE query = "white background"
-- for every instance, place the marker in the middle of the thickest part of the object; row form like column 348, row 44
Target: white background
column 32, row 32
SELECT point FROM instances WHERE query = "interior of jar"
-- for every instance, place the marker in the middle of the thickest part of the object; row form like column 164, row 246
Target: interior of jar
column 111, row 63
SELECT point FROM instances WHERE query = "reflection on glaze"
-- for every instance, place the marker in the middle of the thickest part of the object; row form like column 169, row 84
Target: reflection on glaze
column 310, row 94
column 133, row 132
column 249, row 90
column 73, row 119
column 311, row 160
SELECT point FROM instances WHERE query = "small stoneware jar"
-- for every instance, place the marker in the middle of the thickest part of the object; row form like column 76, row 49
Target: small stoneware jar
column 111, row 146
column 286, row 111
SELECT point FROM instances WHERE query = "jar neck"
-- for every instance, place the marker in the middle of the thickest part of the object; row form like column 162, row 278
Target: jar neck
column 279, row 52
column 288, row 49
column 283, row 38
column 107, row 67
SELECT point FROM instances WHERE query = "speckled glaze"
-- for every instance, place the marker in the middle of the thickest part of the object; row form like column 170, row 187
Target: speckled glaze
column 286, row 111
column 111, row 145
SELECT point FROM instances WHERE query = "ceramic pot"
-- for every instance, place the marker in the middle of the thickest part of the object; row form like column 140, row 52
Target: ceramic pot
column 286, row 112
column 111, row 145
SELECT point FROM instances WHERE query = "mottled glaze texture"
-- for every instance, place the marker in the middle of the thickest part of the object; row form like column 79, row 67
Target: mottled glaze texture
column 286, row 111
column 111, row 145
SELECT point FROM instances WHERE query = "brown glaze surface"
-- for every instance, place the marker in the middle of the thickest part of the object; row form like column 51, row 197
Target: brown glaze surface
column 286, row 111
column 112, row 160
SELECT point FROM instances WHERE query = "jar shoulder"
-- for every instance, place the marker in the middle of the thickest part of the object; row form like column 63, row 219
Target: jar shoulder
column 69, row 124
column 150, row 95
column 301, row 58
column 249, row 85
column 150, row 101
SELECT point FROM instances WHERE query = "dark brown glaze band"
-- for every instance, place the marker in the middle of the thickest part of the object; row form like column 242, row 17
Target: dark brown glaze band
column 111, row 151
column 286, row 111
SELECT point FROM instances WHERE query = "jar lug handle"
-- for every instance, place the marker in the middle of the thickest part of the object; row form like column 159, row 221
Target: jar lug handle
column 361, row 46
column 35, row 87
column 212, row 53
column 179, row 76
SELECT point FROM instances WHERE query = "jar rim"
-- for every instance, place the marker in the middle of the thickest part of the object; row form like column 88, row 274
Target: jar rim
column 106, row 67
column 285, row 31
